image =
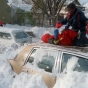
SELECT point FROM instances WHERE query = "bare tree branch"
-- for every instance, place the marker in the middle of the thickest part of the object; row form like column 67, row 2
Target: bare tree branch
column 51, row 8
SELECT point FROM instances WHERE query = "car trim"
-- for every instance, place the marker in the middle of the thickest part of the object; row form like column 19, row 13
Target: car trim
column 58, row 62
column 30, row 54
column 75, row 53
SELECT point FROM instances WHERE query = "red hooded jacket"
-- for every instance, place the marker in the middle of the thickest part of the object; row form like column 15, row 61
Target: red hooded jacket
column 66, row 38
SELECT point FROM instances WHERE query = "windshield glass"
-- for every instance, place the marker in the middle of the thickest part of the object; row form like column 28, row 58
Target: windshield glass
column 20, row 35
column 5, row 35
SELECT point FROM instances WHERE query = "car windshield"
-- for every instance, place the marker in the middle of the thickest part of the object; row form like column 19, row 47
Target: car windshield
column 5, row 35
column 81, row 66
column 20, row 35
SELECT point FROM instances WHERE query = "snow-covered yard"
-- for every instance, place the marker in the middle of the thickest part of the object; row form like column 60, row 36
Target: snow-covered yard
column 9, row 79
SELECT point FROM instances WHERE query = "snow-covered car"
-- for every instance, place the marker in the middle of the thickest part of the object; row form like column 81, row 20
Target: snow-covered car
column 11, row 36
column 48, row 60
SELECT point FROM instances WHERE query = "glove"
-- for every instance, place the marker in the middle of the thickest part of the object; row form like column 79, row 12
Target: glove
column 58, row 25
column 67, row 26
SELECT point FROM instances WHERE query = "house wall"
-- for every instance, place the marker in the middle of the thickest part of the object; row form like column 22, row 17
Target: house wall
column 5, row 12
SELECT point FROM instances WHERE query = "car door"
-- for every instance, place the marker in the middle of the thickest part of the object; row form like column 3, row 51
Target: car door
column 43, row 61
column 82, row 62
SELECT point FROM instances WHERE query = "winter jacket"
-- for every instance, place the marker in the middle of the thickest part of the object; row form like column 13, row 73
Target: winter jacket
column 77, row 21
column 46, row 37
column 65, row 39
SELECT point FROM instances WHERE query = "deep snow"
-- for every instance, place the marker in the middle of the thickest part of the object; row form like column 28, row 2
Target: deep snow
column 72, row 79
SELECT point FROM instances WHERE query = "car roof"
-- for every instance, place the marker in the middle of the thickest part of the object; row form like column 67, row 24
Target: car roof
column 9, row 30
column 74, row 49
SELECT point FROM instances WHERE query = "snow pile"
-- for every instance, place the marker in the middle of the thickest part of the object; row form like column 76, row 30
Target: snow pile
column 25, row 80
column 70, row 78
column 6, row 74
column 8, row 79
column 37, row 31
column 20, row 4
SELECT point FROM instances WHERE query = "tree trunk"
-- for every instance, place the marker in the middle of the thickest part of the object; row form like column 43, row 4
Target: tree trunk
column 54, row 20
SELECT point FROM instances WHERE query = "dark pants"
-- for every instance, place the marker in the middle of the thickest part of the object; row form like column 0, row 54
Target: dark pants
column 81, row 40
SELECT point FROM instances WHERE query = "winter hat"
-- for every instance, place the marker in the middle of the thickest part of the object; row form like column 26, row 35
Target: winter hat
column 56, row 32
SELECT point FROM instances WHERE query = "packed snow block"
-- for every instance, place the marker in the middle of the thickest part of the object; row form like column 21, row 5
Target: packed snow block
column 46, row 37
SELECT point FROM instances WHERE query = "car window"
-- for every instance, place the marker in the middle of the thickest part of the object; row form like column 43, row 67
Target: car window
column 31, row 57
column 5, row 35
column 82, row 64
column 20, row 35
column 44, row 59
column 47, row 63
column 47, row 60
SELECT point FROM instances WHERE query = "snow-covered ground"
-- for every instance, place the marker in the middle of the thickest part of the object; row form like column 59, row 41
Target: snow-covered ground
column 9, row 79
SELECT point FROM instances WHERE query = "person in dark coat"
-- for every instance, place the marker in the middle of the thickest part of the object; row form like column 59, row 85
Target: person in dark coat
column 77, row 20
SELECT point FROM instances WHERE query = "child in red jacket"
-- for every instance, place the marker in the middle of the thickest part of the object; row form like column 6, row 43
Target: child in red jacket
column 66, row 38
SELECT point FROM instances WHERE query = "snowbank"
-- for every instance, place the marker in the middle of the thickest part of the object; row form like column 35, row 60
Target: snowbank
column 67, row 79
column 70, row 78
